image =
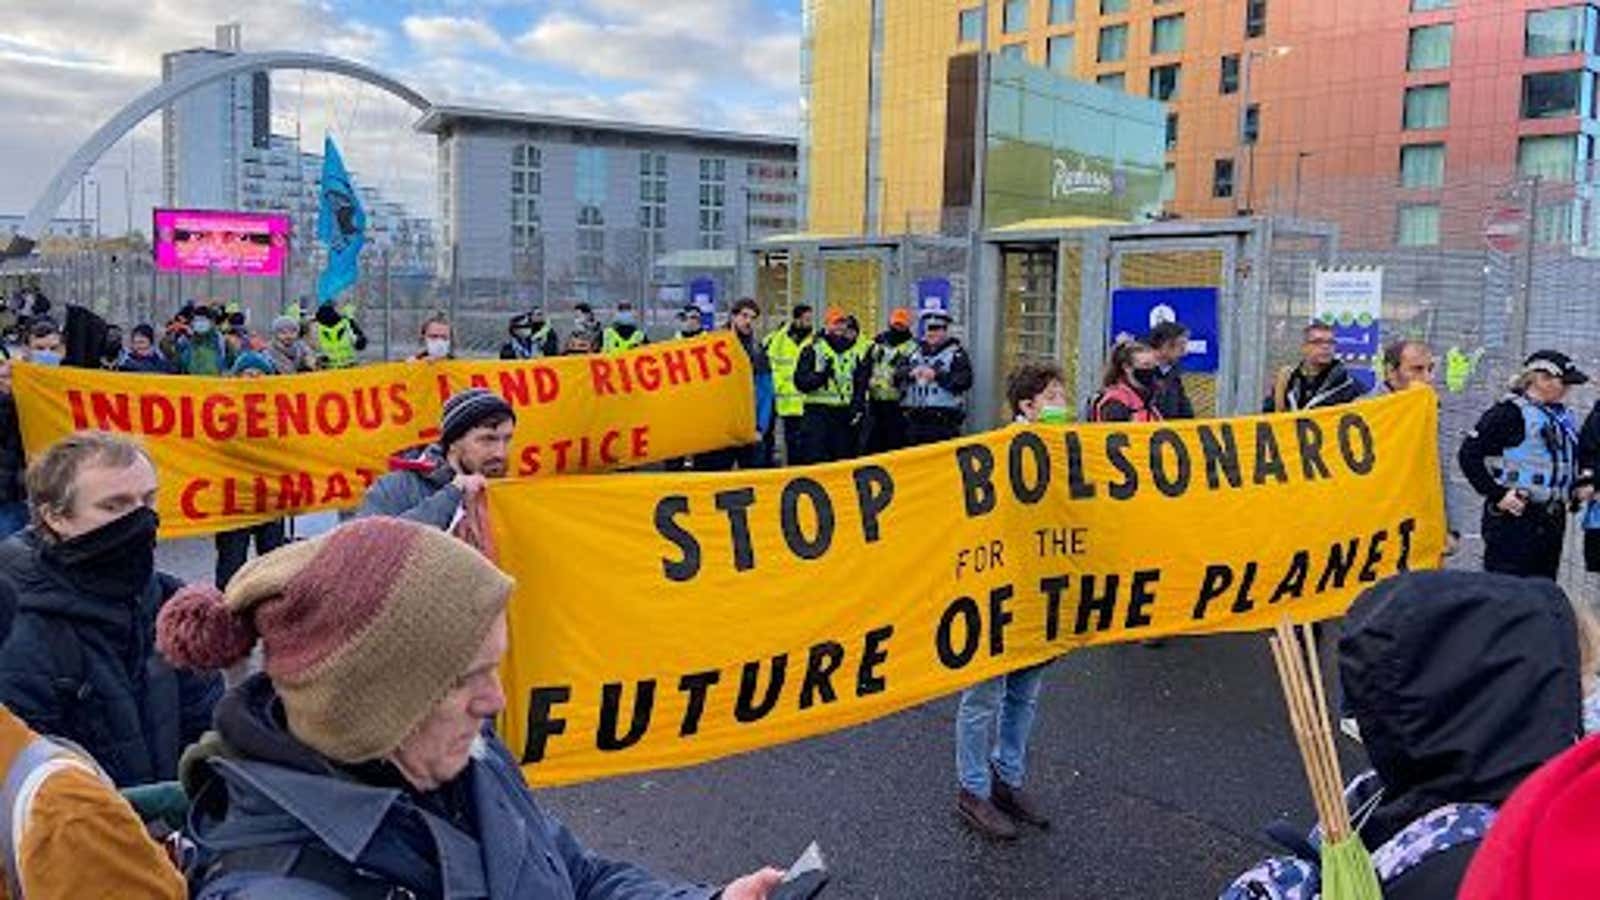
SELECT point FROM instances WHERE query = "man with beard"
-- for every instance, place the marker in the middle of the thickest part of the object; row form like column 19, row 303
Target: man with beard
column 80, row 662
column 430, row 484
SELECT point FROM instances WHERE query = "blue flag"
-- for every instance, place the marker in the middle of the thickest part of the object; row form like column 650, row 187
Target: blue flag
column 341, row 225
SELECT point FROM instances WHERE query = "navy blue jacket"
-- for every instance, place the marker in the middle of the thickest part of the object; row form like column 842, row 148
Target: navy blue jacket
column 84, row 667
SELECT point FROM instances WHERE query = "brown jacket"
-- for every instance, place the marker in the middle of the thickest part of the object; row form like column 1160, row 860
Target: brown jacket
column 81, row 839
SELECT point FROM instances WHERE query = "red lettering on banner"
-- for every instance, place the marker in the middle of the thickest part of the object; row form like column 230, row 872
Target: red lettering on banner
column 677, row 366
column 261, row 493
column 369, row 408
column 625, row 376
column 158, row 414
column 219, row 427
column 230, row 497
column 294, row 413
column 641, row 441
column 648, row 372
column 295, row 490
column 255, row 416
column 333, row 424
column 546, row 384
column 111, row 413
column 600, row 371
column 80, row 419
column 530, row 461
column 338, row 489
column 443, row 382
column 514, row 387
column 561, row 447
column 367, row 477
column 186, row 500
column 479, row 380
column 186, row 418
column 608, row 456
column 699, row 354
column 724, row 361
column 403, row 412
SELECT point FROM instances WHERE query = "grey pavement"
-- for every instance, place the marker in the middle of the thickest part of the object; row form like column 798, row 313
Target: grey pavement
column 1159, row 765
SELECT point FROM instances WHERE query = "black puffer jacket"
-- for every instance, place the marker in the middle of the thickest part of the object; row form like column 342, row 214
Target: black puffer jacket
column 13, row 462
column 83, row 666
column 1463, row 684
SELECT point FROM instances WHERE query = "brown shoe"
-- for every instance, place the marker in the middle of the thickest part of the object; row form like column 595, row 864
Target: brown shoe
column 983, row 818
column 1016, row 803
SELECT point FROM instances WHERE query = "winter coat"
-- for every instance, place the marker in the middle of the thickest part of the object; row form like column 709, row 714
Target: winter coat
column 309, row 826
column 153, row 363
column 417, row 487
column 83, row 666
column 1462, row 684
column 13, row 460
column 1169, row 397
column 1294, row 390
column 761, row 374
column 299, row 357
column 204, row 354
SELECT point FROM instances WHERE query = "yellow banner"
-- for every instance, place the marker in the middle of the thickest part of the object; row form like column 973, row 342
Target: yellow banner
column 232, row 452
column 679, row 620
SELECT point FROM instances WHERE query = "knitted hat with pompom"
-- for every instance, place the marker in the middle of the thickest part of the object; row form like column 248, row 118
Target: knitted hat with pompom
column 363, row 630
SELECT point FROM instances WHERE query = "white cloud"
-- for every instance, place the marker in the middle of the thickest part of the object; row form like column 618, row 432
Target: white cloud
column 616, row 51
column 444, row 34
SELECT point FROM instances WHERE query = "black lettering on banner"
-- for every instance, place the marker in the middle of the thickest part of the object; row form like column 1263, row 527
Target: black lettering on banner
column 873, row 654
column 976, row 465
column 1341, row 559
column 1026, row 444
column 874, row 490
column 1077, row 488
column 1140, row 596
column 1356, row 444
column 1309, row 434
column 1221, row 452
column 1242, row 602
column 1052, row 586
column 1269, row 459
column 999, row 618
column 736, row 503
column 746, row 710
column 696, row 685
column 1117, row 453
column 790, row 515
column 1294, row 580
column 824, row 660
column 606, row 738
column 1213, row 584
column 1169, row 483
column 1102, row 605
column 542, row 726
column 1403, row 562
column 966, row 609
column 687, row 565
column 1369, row 571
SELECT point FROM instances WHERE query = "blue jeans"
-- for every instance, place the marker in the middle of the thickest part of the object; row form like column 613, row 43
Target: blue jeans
column 13, row 518
column 1006, row 704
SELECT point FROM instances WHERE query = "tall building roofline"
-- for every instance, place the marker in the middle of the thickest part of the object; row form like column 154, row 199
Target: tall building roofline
column 440, row 117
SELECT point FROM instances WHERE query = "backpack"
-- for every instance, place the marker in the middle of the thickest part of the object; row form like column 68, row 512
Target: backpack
column 1299, row 877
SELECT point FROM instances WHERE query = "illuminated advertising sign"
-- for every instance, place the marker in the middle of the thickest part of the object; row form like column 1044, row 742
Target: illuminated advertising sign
column 196, row 241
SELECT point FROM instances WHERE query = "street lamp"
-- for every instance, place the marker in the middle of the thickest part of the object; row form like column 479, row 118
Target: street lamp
column 1244, row 114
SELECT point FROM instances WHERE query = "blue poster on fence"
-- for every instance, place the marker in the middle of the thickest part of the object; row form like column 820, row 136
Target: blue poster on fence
column 703, row 296
column 1134, row 311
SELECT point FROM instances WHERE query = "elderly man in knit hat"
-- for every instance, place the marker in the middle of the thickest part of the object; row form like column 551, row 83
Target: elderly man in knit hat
column 357, row 763
column 429, row 484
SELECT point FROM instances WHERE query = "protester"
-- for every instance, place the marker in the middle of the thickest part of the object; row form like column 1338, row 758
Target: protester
column 1170, row 341
column 233, row 546
column 429, row 485
column 1462, row 685
column 826, row 375
column 1406, row 364
column 579, row 343
column 783, row 351
column 203, row 351
column 142, row 355
column 690, row 323
column 934, row 381
column 13, row 460
column 1522, row 457
column 624, row 332
column 531, row 337
column 111, row 348
column 339, row 337
column 44, row 346
column 1130, row 376
column 756, row 455
column 1318, row 381
column 886, row 421
column 79, row 662
column 234, row 328
column 436, row 339
column 176, row 332
column 350, row 730
column 586, row 323
column 288, row 353
column 995, row 717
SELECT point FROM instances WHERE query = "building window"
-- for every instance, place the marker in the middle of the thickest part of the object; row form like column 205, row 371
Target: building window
column 1172, row 131
column 1252, row 123
column 1429, row 48
column 1018, row 52
column 1555, row 32
column 1060, row 53
column 591, row 243
column 1255, row 18
column 1113, row 43
column 1418, row 225
column 1552, row 95
column 1014, row 18
column 1548, row 156
column 1427, row 106
column 1169, row 183
column 713, row 202
column 1229, row 82
column 1222, row 178
column 1422, row 166
column 1116, row 81
column 1063, row 11
column 1167, row 35
column 526, row 184
column 971, row 26
column 1108, row 7
column 1164, row 82
column 1430, row 5
column 652, row 193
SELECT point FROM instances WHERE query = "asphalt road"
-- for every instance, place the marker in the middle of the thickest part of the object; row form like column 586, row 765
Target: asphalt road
column 1159, row 766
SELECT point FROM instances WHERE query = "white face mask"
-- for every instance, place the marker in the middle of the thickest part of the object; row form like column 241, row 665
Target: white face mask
column 438, row 348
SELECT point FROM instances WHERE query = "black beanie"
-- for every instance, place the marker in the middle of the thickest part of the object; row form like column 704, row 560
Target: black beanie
column 469, row 409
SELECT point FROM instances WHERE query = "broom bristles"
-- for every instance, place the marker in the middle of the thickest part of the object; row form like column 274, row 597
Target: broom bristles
column 1294, row 651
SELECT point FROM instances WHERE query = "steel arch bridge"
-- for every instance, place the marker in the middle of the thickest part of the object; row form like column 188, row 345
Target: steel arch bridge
column 165, row 93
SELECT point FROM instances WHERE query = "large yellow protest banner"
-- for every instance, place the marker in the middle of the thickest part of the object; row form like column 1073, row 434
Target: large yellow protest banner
column 231, row 452
column 678, row 620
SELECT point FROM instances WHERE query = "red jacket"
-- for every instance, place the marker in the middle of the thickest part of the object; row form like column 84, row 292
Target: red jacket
column 1125, row 395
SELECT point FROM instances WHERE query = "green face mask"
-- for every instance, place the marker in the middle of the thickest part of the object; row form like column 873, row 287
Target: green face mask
column 1053, row 415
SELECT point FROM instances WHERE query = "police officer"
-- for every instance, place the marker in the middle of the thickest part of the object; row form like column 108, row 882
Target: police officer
column 1523, row 458
column 690, row 323
column 624, row 332
column 531, row 337
column 886, row 422
column 783, row 350
column 826, row 375
column 339, row 338
column 934, row 381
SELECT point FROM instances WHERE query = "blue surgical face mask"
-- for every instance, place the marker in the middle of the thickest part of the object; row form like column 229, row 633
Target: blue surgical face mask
column 44, row 357
column 626, row 318
column 202, row 326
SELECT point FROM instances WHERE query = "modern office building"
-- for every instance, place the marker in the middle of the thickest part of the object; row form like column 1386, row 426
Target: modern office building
column 600, row 211
column 1400, row 119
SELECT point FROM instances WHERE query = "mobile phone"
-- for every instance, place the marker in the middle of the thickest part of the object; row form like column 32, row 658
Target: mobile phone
column 805, row 879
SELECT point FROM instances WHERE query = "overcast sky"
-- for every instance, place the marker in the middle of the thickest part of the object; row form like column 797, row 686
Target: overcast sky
column 67, row 66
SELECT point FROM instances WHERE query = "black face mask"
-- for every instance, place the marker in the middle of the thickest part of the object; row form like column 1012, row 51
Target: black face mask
column 1146, row 378
column 116, row 558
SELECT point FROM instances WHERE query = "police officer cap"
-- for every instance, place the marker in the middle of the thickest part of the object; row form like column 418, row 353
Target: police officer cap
column 1556, row 363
